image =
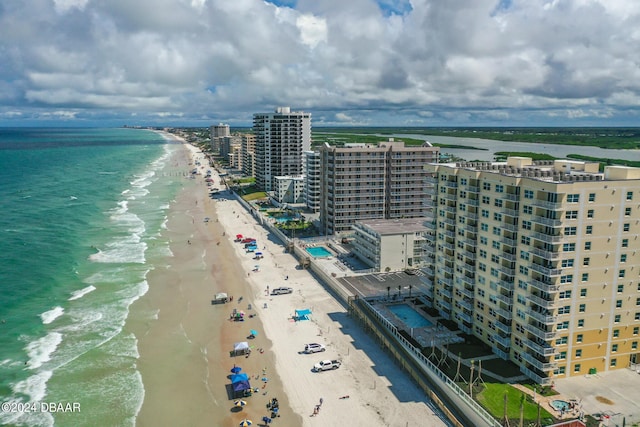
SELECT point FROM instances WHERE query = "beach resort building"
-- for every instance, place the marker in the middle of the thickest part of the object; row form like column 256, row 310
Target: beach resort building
column 216, row 132
column 248, row 149
column 539, row 259
column 390, row 244
column 289, row 189
column 366, row 181
column 281, row 138
column 312, row 193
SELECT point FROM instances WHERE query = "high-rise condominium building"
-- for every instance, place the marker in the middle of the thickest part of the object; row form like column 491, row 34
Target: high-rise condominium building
column 248, row 142
column 540, row 261
column 281, row 138
column 362, row 181
column 217, row 132
column 312, row 193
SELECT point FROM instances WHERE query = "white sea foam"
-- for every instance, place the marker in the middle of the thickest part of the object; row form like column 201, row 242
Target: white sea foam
column 73, row 198
column 40, row 350
column 35, row 386
column 128, row 250
column 51, row 315
column 82, row 292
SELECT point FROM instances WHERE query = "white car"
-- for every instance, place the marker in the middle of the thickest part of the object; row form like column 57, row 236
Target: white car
column 314, row 348
column 281, row 291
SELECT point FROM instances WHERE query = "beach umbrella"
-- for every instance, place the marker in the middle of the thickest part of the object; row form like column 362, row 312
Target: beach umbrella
column 245, row 423
column 266, row 420
column 236, row 369
column 253, row 332
column 239, row 403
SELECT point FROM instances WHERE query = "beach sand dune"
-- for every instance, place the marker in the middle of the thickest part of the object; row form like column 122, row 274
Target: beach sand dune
column 184, row 353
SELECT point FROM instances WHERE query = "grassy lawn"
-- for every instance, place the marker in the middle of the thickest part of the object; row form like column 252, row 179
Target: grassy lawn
column 492, row 398
column 254, row 196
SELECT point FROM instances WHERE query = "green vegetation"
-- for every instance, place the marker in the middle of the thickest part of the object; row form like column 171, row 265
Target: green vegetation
column 340, row 139
column 501, row 156
column 612, row 138
column 492, row 399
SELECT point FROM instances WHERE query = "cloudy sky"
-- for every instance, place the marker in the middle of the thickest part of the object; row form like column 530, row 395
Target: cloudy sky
column 348, row 62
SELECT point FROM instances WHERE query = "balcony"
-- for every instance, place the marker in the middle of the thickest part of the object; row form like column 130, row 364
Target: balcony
column 550, row 255
column 544, row 303
column 544, row 286
column 547, row 238
column 505, row 329
column 542, row 366
column 546, row 221
column 554, row 206
column 449, row 184
column 542, row 318
column 540, row 333
column 505, row 299
column 505, row 285
column 503, row 341
column 472, row 188
column 503, row 313
column 549, row 272
column 545, row 350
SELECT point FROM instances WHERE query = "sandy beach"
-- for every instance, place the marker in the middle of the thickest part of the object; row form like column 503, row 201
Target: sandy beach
column 184, row 353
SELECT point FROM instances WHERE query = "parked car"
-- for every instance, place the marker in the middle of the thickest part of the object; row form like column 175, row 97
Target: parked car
column 282, row 290
column 326, row 365
column 313, row 348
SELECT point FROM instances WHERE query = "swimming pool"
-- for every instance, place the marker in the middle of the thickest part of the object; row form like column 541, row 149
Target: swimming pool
column 560, row 405
column 319, row 252
column 409, row 316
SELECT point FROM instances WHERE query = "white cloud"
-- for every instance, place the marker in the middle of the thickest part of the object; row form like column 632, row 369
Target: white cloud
column 359, row 61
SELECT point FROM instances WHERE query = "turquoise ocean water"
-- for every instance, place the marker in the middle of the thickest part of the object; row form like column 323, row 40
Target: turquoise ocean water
column 81, row 212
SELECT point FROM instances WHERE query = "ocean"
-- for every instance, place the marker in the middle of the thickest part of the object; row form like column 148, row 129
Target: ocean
column 81, row 216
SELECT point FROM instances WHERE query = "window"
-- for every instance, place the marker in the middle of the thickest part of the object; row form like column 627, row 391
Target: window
column 567, row 263
column 482, row 266
column 522, row 284
column 589, row 229
column 619, row 303
column 614, row 348
column 621, row 273
column 629, row 195
column 483, row 240
column 586, row 261
column 590, row 213
column 614, row 362
column 524, row 255
column 571, row 215
column 463, row 181
column 625, row 243
column 484, row 227
column 564, row 310
column 579, row 353
column 561, row 356
column 497, row 216
column 616, row 318
column 567, row 278
column 565, row 294
column 580, row 323
column 528, row 194
column 495, row 244
column 483, row 253
column 486, row 186
column 527, row 209
column 522, row 299
column 573, row 198
column 526, row 225
column 499, row 188
column 627, row 211
column 592, row 197
column 484, row 213
column 625, row 227
column 583, row 292
column 637, row 301
column 637, row 316
column 634, row 345
column 560, row 371
column 486, row 200
column 563, row 326
column 561, row 341
column 570, row 231
column 623, row 258
column 636, row 330
column 495, row 258
column 585, row 277
column 579, row 338
column 587, row 246
column 568, row 247
column 582, row 308
column 620, row 289
column 498, row 203
column 525, row 240
column 576, row 367
column 616, row 333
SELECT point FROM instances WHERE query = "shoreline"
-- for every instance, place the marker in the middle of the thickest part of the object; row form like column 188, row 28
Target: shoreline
column 184, row 353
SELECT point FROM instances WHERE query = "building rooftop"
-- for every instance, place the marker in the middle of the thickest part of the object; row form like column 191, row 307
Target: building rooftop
column 395, row 226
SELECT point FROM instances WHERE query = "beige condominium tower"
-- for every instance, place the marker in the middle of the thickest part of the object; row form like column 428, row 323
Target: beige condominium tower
column 540, row 260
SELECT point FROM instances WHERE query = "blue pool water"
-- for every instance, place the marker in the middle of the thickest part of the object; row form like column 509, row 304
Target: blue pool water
column 319, row 252
column 409, row 316
column 560, row 405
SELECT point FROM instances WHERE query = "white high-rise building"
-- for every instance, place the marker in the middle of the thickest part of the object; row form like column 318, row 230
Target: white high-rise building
column 281, row 138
